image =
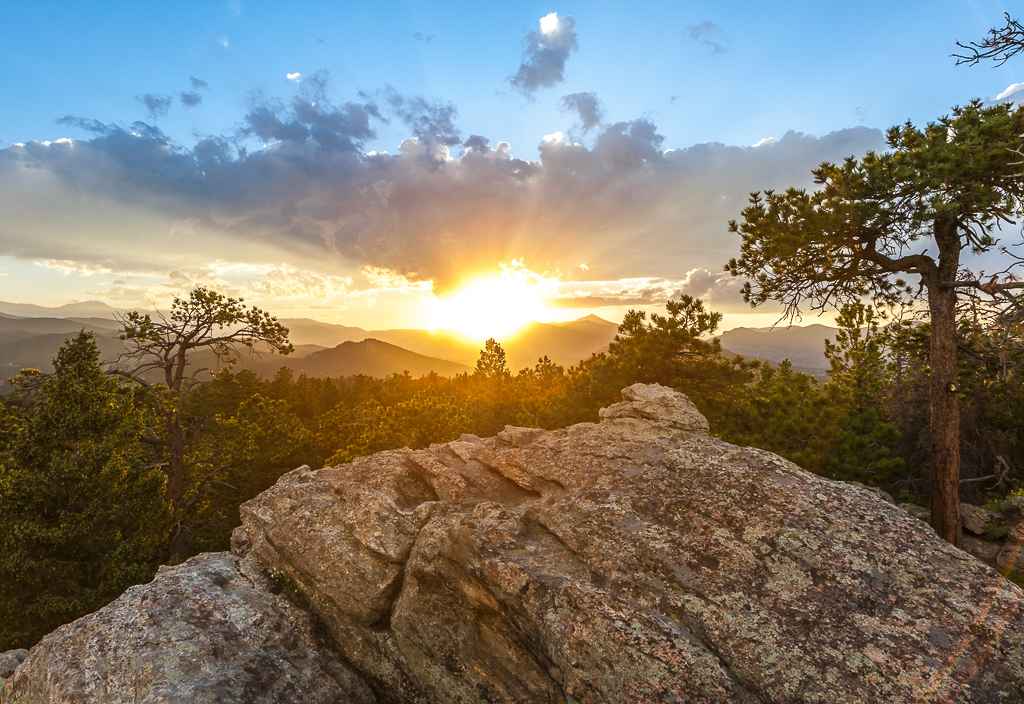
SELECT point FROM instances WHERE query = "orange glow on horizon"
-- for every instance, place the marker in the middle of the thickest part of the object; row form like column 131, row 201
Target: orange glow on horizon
column 497, row 306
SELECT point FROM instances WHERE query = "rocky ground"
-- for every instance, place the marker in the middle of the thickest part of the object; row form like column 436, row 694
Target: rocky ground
column 634, row 560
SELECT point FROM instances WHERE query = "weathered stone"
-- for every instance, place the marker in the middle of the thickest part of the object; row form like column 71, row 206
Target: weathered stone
column 10, row 660
column 209, row 630
column 917, row 511
column 975, row 519
column 634, row 560
column 1011, row 557
column 631, row 562
column 882, row 493
column 985, row 550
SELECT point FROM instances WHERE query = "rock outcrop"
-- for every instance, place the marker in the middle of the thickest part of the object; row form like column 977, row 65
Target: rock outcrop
column 634, row 560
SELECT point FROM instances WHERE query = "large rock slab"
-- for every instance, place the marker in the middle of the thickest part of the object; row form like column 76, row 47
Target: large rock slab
column 199, row 632
column 633, row 560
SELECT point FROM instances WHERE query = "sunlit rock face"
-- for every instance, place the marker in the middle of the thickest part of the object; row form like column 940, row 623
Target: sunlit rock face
column 634, row 560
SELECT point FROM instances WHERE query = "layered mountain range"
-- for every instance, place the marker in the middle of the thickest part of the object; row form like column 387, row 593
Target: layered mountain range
column 30, row 336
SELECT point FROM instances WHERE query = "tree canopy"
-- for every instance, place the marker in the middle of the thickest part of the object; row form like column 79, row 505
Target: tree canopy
column 81, row 515
column 939, row 191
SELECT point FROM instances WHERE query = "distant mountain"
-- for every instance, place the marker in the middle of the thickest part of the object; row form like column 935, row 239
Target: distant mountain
column 90, row 309
column 562, row 343
column 305, row 331
column 39, row 350
column 370, row 357
column 32, row 341
column 803, row 346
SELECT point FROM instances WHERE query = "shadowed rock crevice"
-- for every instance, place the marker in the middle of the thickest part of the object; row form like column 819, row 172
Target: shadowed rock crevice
column 633, row 560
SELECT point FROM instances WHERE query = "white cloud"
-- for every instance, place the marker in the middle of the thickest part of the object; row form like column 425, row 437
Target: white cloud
column 1013, row 94
column 293, row 77
column 224, row 41
column 549, row 24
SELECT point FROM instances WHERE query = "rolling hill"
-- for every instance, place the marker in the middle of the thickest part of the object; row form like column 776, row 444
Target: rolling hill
column 370, row 357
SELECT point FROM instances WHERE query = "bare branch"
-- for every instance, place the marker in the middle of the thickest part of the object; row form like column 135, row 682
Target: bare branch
column 1000, row 45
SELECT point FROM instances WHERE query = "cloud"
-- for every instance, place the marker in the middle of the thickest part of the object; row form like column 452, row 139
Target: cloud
column 1014, row 93
column 547, row 51
column 421, row 38
column 235, row 7
column 430, row 122
column 224, row 41
column 198, row 83
column 156, row 105
column 294, row 183
column 190, row 99
column 293, row 76
column 707, row 34
column 587, row 107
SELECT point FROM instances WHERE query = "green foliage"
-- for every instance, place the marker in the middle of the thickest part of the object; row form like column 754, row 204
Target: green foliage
column 424, row 419
column 786, row 412
column 81, row 517
column 845, row 240
column 996, row 531
column 674, row 350
column 11, row 420
column 866, row 446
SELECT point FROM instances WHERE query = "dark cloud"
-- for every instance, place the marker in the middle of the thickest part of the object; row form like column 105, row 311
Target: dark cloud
column 156, row 105
column 190, row 99
column 198, row 83
column 547, row 50
column 587, row 107
column 707, row 34
column 421, row 38
column 311, row 121
column 625, row 205
column 432, row 122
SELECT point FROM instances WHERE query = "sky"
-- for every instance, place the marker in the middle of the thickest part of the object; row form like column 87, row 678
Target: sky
column 425, row 164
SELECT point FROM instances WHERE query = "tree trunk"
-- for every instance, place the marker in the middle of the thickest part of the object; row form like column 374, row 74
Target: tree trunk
column 175, row 490
column 945, row 390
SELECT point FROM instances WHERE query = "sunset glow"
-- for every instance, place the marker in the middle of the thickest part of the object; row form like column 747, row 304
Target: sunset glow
column 496, row 306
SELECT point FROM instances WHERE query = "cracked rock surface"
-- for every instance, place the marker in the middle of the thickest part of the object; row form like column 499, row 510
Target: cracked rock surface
column 634, row 560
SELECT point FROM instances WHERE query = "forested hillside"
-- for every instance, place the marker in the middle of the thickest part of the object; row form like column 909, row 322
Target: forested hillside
column 240, row 432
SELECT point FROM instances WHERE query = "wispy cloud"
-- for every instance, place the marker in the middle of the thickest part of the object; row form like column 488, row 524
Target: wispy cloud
column 707, row 34
column 587, row 107
column 547, row 51
column 156, row 105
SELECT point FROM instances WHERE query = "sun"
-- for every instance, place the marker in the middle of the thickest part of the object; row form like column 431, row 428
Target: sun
column 491, row 307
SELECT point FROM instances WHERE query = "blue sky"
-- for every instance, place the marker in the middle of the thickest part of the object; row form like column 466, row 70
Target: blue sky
column 630, row 135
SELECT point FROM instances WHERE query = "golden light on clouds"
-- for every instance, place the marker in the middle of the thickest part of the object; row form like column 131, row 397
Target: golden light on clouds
column 494, row 306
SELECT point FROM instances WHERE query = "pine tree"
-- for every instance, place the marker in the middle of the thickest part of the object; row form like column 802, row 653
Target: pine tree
column 81, row 515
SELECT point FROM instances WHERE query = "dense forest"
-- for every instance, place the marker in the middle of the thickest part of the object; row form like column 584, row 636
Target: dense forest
column 83, row 472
